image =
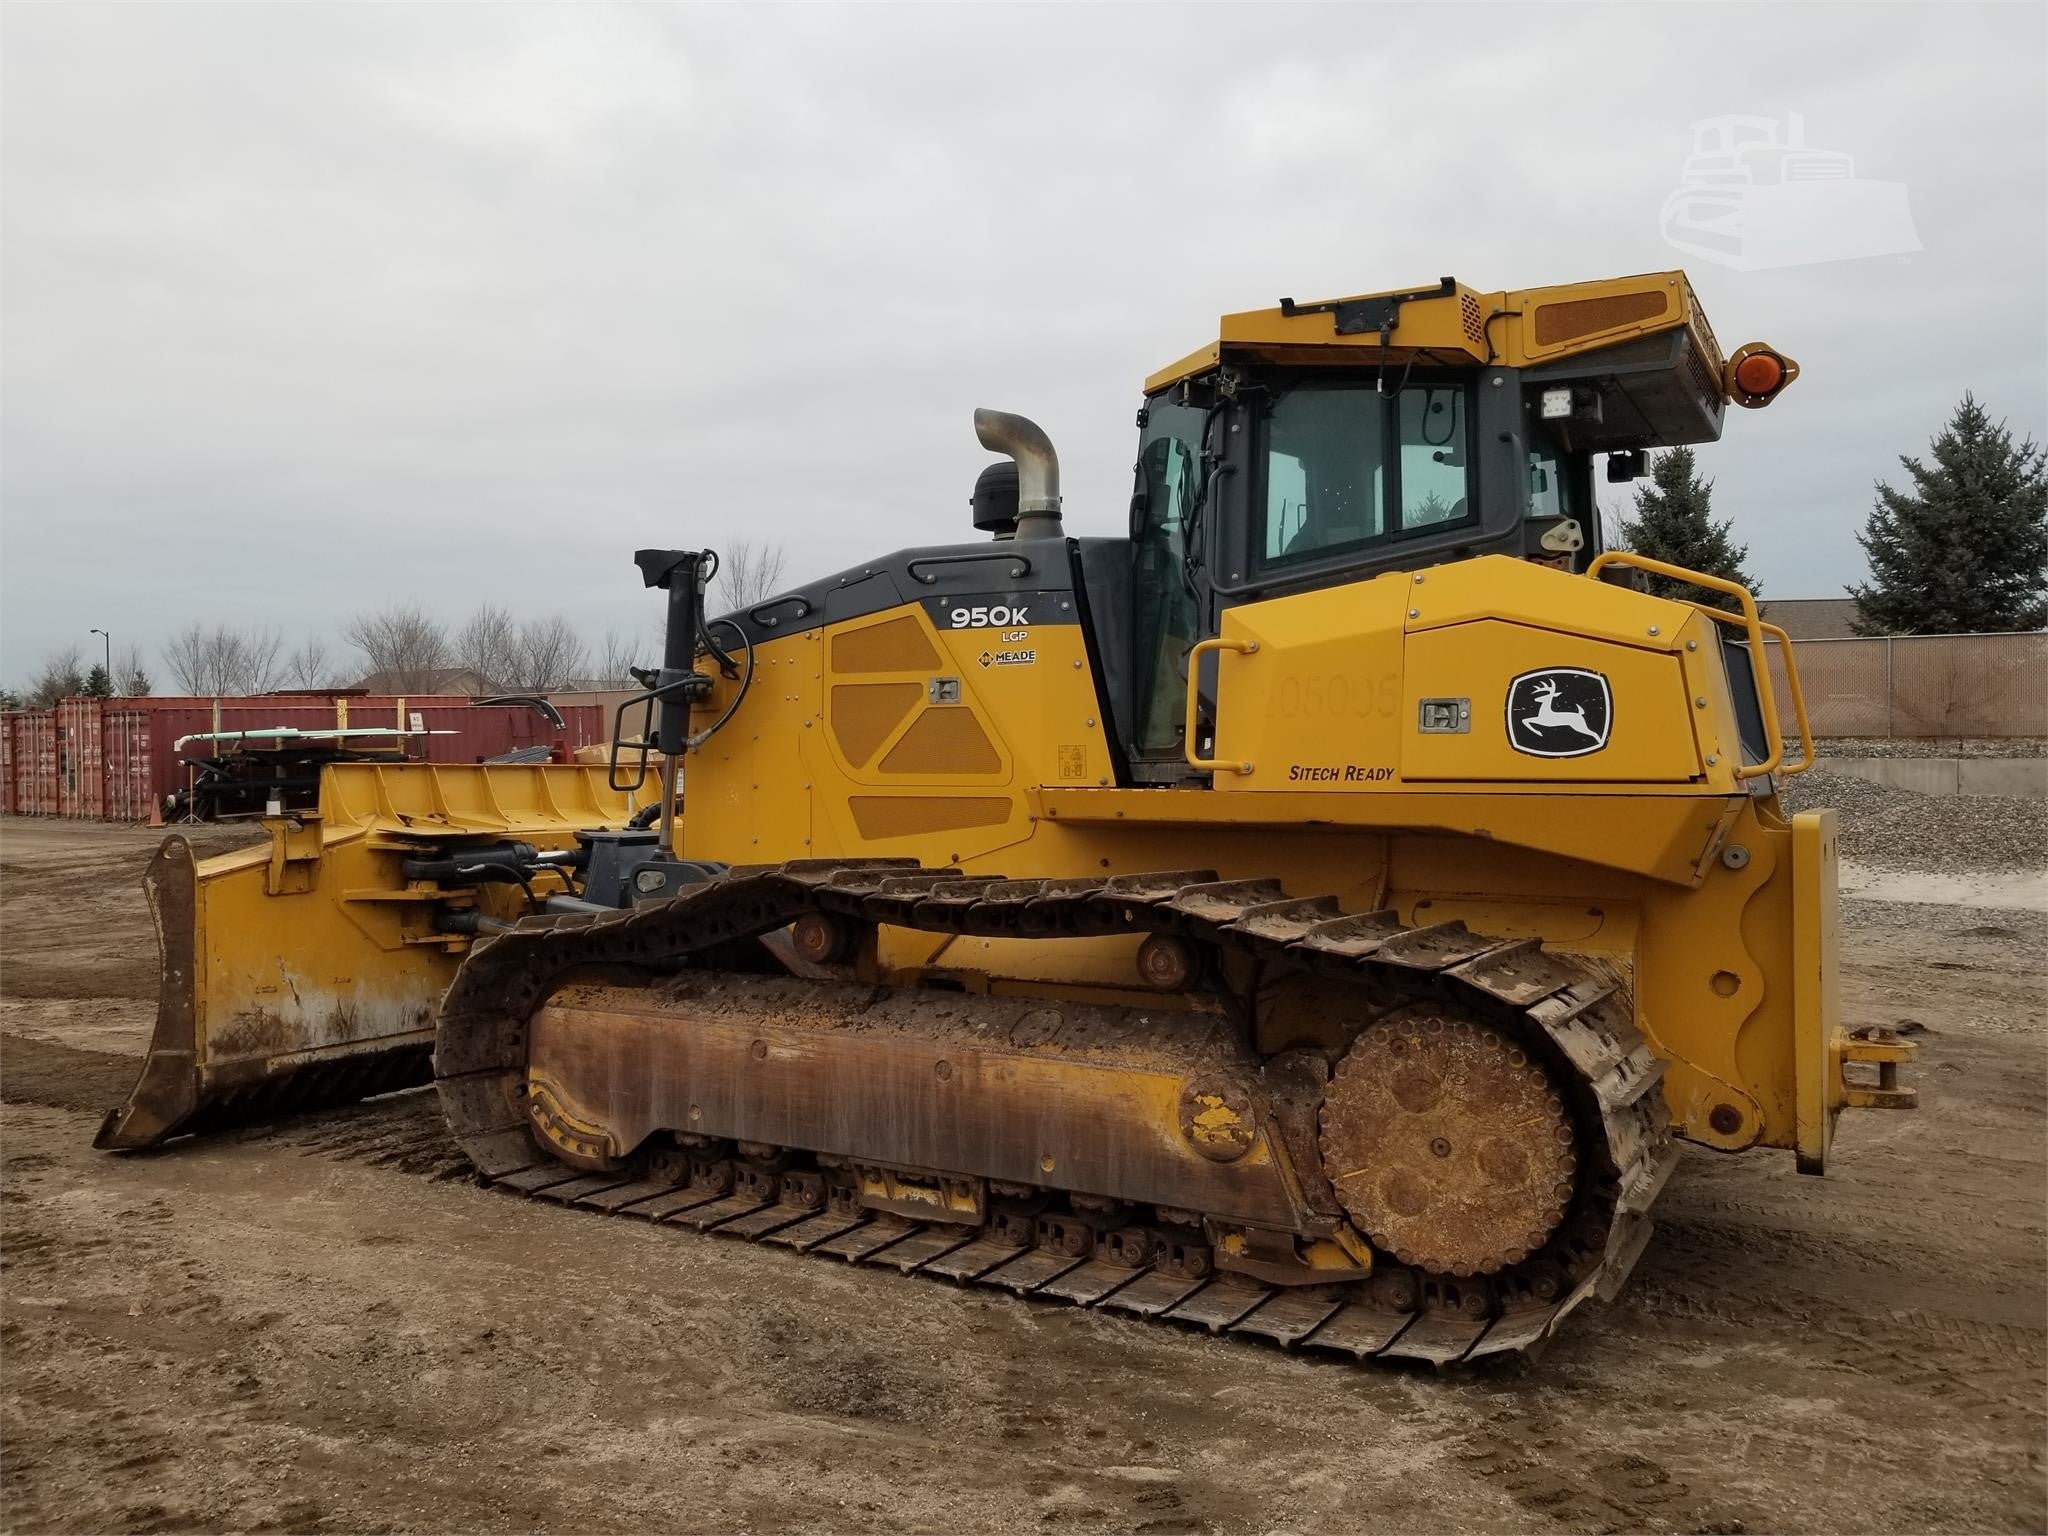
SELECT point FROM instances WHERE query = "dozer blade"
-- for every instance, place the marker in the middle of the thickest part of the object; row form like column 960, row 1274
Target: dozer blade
column 303, row 972
column 301, row 1054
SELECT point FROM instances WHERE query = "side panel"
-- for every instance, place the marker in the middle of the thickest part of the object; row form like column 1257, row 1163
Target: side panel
column 915, row 731
column 1341, row 691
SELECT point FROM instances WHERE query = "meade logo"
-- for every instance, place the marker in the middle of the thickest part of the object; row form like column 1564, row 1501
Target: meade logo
column 1559, row 712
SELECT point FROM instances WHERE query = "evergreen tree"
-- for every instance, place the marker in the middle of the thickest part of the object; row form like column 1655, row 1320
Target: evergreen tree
column 9, row 699
column 139, row 685
column 97, row 684
column 1674, row 522
column 1966, row 550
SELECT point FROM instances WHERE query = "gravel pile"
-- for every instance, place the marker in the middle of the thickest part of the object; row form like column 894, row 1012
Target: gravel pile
column 1942, row 833
column 1877, row 746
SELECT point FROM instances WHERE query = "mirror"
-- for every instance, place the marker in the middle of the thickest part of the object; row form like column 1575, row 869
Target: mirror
column 1624, row 465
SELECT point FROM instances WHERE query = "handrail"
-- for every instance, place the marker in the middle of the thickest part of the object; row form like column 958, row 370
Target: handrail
column 1806, row 752
column 1187, row 746
column 1749, row 618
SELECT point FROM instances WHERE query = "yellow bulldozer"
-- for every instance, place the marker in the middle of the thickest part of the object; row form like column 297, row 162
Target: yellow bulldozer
column 1315, row 915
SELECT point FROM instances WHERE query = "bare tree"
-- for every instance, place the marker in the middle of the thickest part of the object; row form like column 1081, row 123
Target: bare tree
column 615, row 659
column 189, row 658
column 308, row 666
column 61, row 676
column 258, row 664
column 405, row 647
column 551, row 654
column 489, row 645
column 748, row 573
column 130, row 680
column 223, row 660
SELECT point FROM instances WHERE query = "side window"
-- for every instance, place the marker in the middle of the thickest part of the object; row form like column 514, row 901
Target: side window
column 1433, row 470
column 1346, row 466
column 1168, row 471
column 1163, row 612
column 1286, row 502
column 1551, row 491
column 1324, row 477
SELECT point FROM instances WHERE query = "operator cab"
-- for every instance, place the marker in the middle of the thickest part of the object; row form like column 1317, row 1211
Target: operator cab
column 1323, row 444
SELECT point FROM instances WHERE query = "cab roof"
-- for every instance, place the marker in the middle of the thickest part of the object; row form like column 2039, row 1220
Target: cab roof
column 1452, row 325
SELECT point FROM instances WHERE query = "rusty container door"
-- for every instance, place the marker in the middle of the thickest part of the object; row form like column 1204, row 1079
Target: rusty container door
column 10, row 786
column 81, row 787
column 124, row 747
column 42, row 796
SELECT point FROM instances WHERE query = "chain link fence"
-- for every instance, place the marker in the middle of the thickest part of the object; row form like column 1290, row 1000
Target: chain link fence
column 1922, row 685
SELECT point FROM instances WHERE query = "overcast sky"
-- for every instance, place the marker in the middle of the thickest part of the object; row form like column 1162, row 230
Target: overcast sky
column 308, row 308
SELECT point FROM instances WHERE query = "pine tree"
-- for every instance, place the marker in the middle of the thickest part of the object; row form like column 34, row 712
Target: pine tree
column 139, row 685
column 1674, row 522
column 97, row 684
column 1966, row 551
column 9, row 699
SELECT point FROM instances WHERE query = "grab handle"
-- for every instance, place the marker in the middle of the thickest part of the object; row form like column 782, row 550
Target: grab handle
column 1217, row 643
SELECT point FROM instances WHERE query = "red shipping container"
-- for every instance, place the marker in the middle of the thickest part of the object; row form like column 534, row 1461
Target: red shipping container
column 116, row 759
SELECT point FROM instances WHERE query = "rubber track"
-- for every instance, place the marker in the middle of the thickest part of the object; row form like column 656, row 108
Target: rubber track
column 1576, row 1018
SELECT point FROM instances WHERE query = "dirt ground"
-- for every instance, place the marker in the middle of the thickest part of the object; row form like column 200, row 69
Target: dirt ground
column 325, row 1327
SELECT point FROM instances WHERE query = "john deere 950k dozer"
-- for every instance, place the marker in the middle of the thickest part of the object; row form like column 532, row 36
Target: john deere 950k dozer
column 1315, row 914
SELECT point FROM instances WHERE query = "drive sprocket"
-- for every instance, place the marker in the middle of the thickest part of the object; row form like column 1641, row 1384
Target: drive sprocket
column 1447, row 1143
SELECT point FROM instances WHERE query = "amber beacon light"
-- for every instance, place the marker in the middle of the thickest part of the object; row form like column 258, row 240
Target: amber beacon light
column 1757, row 374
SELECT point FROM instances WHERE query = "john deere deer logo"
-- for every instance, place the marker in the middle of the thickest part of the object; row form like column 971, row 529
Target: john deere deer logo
column 1559, row 712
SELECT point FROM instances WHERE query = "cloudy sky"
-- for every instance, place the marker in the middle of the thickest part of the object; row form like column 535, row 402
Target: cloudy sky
column 310, row 308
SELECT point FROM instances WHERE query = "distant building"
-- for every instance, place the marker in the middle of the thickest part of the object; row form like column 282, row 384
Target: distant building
column 1812, row 618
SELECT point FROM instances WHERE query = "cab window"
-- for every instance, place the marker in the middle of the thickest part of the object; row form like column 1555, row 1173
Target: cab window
column 1346, row 466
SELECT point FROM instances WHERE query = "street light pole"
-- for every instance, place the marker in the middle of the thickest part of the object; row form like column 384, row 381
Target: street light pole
column 111, row 687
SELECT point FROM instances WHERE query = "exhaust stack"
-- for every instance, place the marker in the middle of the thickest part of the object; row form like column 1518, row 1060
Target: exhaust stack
column 1038, row 470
